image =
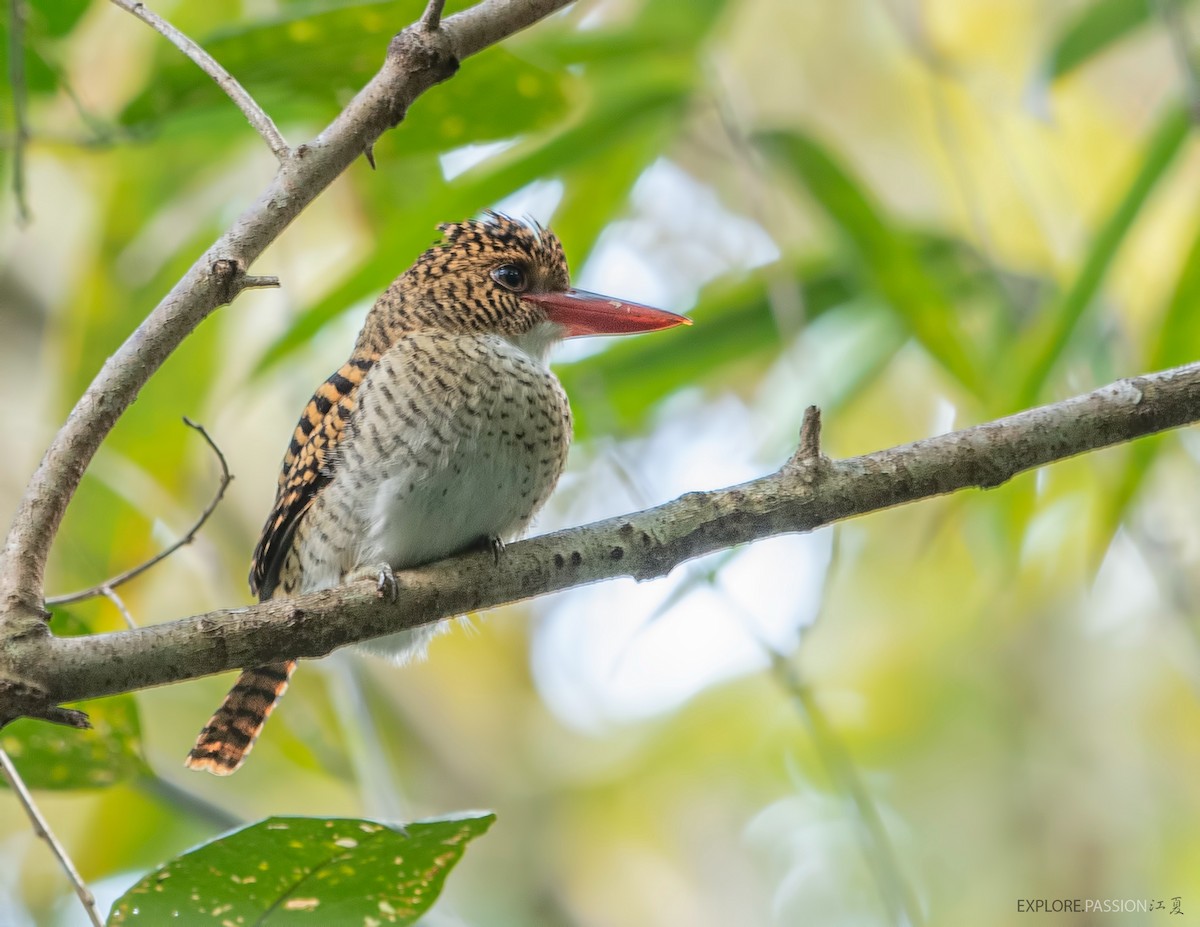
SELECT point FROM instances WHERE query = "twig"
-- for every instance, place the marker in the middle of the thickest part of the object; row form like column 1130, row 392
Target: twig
column 214, row 816
column 258, row 118
column 42, row 829
column 106, row 588
column 432, row 16
column 809, row 448
column 16, row 79
column 119, row 603
column 894, row 889
column 231, row 278
column 896, row 893
column 807, row 463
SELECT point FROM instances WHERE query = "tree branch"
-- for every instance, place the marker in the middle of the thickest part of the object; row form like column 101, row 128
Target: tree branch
column 42, row 829
column 806, row 493
column 432, row 17
column 257, row 116
column 416, row 60
column 106, row 588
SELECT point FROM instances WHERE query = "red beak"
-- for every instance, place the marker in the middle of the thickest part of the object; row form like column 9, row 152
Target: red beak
column 582, row 313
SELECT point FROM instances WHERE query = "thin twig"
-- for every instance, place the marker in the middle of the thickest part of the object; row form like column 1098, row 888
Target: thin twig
column 809, row 448
column 897, row 894
column 894, row 888
column 119, row 603
column 258, row 118
column 215, row 817
column 106, row 588
column 16, row 79
column 432, row 17
column 42, row 829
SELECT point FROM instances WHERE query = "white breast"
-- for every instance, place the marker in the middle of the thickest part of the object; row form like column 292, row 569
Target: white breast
column 455, row 440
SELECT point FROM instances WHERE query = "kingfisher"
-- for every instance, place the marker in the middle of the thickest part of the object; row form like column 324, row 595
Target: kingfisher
column 445, row 430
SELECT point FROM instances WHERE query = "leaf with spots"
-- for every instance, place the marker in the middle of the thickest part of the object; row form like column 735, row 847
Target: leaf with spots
column 328, row 871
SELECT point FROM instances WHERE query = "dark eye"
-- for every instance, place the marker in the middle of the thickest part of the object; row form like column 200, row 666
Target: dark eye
column 511, row 277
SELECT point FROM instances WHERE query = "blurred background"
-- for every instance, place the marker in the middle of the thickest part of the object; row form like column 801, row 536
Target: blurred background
column 918, row 214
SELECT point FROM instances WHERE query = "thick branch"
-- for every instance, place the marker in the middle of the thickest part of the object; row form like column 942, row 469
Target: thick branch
column 416, row 60
column 808, row 492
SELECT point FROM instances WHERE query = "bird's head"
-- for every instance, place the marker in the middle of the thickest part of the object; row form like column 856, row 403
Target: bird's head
column 500, row 275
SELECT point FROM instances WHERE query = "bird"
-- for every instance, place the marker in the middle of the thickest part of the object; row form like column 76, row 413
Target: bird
column 445, row 430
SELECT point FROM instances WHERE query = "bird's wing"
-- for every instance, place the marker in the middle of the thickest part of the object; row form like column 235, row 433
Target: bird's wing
column 307, row 467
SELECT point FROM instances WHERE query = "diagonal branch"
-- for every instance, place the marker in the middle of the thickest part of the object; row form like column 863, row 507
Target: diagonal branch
column 803, row 495
column 257, row 116
column 42, row 829
column 416, row 60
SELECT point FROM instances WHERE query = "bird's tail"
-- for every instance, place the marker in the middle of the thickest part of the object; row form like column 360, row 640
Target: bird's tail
column 230, row 734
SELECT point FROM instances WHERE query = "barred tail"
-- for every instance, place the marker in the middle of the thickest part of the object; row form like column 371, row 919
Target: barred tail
column 230, row 734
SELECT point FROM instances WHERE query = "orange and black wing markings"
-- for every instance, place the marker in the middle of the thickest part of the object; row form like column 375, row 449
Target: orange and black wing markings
column 307, row 467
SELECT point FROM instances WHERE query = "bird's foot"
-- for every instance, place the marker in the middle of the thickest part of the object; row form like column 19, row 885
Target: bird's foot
column 497, row 546
column 384, row 576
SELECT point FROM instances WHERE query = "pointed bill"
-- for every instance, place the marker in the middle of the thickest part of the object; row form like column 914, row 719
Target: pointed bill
column 582, row 313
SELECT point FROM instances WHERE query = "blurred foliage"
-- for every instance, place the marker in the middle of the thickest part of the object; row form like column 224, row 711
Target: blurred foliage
column 1094, row 28
column 62, row 758
column 919, row 215
column 54, row 757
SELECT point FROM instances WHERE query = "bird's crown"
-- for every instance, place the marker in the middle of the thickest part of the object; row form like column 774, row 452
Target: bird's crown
column 473, row 280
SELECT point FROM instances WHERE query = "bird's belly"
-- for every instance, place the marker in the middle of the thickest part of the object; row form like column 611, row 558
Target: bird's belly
column 487, row 490
column 484, row 456
column 484, row 491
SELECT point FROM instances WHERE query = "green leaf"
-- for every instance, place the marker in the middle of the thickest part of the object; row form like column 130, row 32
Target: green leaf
column 615, row 389
column 596, row 191
column 1178, row 338
column 308, row 67
column 55, row 18
column 1093, row 30
column 1176, row 343
column 735, row 330
column 1046, row 343
column 50, row 756
column 674, row 28
column 46, row 22
column 305, row 870
column 889, row 256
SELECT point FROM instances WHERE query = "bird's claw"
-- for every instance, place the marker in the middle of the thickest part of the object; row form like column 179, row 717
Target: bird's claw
column 497, row 546
column 386, row 584
column 385, row 580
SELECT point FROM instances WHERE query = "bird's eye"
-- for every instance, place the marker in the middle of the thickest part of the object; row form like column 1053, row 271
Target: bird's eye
column 511, row 277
